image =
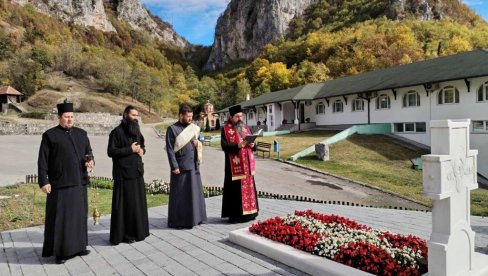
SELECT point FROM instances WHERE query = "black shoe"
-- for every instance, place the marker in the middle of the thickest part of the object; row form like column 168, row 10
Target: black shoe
column 84, row 253
column 60, row 260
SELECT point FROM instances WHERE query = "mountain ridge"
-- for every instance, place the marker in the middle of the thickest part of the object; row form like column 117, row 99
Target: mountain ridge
column 93, row 13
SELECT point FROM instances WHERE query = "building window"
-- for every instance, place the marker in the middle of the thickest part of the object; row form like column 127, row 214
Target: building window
column 320, row 108
column 358, row 104
column 409, row 127
column 483, row 92
column 250, row 115
column 383, row 102
column 418, row 127
column 338, row 106
column 411, row 99
column 270, row 109
column 480, row 126
column 398, row 127
column 448, row 95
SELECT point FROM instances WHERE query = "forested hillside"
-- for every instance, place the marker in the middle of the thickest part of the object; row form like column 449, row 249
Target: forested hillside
column 129, row 62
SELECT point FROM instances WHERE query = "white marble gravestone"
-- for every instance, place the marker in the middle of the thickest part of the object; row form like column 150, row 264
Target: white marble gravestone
column 449, row 174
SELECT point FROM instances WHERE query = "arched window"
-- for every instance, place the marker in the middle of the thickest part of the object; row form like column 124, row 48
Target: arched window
column 320, row 108
column 411, row 98
column 483, row 92
column 338, row 106
column 358, row 104
column 383, row 102
column 448, row 95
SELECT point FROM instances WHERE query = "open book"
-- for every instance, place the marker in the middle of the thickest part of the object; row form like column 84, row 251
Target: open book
column 252, row 138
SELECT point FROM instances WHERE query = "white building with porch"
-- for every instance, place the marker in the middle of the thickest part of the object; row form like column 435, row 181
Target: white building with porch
column 407, row 96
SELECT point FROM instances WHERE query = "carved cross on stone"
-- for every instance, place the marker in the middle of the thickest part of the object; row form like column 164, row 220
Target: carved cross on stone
column 449, row 174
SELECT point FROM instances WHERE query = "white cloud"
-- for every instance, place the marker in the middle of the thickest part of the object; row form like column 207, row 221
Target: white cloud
column 473, row 2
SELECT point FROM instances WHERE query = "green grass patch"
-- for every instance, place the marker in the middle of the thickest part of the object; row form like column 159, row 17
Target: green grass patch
column 162, row 126
column 33, row 115
column 26, row 207
column 479, row 202
column 375, row 160
column 292, row 143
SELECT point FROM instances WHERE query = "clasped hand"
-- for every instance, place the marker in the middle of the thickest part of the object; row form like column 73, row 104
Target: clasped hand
column 136, row 148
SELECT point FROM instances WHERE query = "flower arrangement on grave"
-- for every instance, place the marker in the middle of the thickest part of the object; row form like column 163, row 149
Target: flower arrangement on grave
column 347, row 242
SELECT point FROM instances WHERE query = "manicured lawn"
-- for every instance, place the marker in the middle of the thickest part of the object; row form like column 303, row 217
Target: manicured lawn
column 292, row 143
column 27, row 209
column 162, row 126
column 375, row 160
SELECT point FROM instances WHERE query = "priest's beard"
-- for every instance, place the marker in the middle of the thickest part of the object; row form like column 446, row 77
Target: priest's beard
column 238, row 127
column 132, row 127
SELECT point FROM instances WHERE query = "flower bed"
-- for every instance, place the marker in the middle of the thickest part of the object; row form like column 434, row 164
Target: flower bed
column 347, row 242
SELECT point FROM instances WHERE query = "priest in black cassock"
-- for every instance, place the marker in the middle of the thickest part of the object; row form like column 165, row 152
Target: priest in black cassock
column 129, row 221
column 239, row 201
column 186, row 203
column 64, row 156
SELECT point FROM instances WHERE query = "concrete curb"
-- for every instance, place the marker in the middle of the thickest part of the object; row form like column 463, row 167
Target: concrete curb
column 306, row 262
column 356, row 182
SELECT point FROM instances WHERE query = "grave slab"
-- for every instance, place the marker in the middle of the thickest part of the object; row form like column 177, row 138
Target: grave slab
column 306, row 262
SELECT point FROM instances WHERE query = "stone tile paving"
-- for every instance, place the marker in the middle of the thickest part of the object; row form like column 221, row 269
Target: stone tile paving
column 203, row 250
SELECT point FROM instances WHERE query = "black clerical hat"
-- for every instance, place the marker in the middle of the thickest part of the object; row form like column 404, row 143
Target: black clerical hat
column 234, row 109
column 65, row 107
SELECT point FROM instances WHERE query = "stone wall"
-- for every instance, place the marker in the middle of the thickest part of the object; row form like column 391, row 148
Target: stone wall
column 93, row 123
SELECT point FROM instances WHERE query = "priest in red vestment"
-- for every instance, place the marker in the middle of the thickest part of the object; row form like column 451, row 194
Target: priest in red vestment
column 240, row 202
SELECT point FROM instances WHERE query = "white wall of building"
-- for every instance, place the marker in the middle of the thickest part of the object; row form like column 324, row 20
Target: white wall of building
column 288, row 112
column 309, row 111
column 274, row 117
column 251, row 118
column 261, row 114
column 340, row 118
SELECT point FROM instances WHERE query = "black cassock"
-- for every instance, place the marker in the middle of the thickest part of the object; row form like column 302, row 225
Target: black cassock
column 232, row 195
column 129, row 220
column 61, row 163
column 186, row 206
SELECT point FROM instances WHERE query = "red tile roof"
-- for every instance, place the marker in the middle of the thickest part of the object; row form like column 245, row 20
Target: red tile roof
column 8, row 90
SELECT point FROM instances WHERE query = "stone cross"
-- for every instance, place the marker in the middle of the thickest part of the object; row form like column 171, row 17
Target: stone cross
column 449, row 174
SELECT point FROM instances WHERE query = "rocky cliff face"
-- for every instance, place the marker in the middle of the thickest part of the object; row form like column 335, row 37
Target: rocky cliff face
column 420, row 9
column 85, row 13
column 132, row 12
column 247, row 26
column 92, row 13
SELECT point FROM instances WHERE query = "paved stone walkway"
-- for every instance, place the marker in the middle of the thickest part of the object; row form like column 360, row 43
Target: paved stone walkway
column 203, row 250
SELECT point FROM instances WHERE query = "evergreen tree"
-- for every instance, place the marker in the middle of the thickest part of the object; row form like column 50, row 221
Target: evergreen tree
column 217, row 124
column 207, row 125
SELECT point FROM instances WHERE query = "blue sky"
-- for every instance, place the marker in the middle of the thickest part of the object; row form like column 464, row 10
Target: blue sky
column 195, row 19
